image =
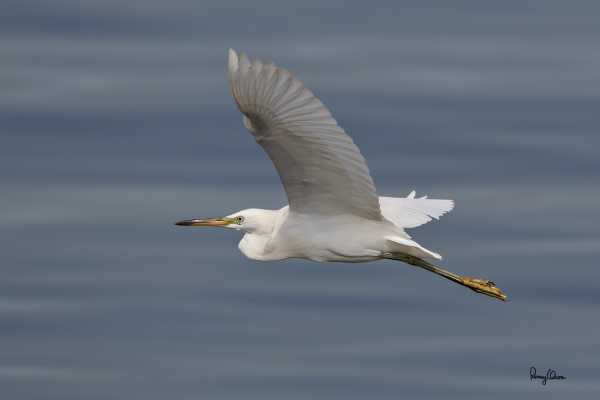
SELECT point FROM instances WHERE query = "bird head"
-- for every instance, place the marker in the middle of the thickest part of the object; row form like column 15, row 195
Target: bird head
column 249, row 220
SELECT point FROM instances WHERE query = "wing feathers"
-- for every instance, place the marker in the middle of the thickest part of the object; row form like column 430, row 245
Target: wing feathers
column 320, row 167
column 410, row 212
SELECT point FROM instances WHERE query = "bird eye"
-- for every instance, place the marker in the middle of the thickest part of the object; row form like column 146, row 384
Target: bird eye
column 239, row 220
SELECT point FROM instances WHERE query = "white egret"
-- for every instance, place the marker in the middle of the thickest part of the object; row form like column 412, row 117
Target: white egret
column 334, row 212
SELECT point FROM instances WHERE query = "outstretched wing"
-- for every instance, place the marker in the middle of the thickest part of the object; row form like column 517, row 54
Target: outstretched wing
column 410, row 211
column 321, row 168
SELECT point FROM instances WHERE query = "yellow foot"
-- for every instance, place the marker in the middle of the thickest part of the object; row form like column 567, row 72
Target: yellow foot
column 483, row 286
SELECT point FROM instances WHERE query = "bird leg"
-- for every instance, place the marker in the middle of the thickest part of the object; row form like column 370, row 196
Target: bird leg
column 482, row 286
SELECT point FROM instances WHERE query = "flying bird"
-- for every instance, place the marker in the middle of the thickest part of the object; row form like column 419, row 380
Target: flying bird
column 334, row 211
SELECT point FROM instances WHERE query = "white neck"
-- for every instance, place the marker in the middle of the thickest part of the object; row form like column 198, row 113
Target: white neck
column 255, row 243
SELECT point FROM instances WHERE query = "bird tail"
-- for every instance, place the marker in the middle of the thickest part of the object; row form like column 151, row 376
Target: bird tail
column 401, row 245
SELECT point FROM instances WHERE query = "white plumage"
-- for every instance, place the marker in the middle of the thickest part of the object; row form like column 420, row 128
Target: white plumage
column 320, row 167
column 410, row 212
column 334, row 212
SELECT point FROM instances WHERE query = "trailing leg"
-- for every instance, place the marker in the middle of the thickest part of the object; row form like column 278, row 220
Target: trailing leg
column 482, row 286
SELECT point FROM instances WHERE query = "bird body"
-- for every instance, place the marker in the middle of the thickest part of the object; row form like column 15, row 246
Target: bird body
column 334, row 212
column 271, row 235
column 331, row 238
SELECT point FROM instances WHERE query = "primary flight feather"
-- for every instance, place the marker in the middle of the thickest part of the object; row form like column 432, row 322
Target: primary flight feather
column 334, row 212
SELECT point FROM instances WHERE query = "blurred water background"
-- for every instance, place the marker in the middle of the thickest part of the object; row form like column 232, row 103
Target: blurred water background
column 116, row 121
